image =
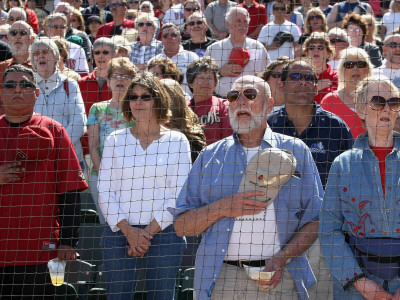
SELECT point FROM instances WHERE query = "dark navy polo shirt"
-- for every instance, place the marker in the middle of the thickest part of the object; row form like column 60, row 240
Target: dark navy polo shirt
column 327, row 136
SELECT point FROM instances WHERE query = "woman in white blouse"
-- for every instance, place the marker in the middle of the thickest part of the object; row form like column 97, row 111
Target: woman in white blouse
column 142, row 171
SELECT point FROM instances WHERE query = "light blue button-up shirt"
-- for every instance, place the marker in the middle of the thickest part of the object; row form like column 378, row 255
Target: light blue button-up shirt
column 218, row 172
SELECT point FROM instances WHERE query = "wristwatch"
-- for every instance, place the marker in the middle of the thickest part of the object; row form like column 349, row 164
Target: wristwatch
column 288, row 256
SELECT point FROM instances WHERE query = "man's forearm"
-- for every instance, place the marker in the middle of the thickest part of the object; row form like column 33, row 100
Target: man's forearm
column 195, row 222
column 303, row 239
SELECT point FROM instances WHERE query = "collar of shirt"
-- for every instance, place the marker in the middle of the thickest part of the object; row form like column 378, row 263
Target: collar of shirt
column 280, row 117
column 268, row 138
column 49, row 84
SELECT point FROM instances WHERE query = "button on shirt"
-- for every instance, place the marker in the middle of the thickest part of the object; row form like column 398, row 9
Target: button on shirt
column 217, row 173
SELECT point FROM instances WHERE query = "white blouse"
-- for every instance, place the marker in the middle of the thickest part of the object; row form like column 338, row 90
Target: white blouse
column 139, row 185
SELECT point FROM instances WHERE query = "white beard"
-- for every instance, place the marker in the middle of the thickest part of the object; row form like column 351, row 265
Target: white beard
column 243, row 128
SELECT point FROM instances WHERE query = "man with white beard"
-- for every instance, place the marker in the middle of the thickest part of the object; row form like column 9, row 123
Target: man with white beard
column 239, row 230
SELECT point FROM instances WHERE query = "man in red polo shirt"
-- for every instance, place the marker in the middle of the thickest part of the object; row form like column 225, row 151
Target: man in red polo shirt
column 40, row 181
column 118, row 9
column 258, row 17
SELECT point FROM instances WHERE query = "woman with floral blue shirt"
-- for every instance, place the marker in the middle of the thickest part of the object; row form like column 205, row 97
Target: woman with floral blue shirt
column 359, row 220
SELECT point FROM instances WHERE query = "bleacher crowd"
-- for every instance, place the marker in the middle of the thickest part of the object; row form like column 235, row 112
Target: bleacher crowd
column 253, row 145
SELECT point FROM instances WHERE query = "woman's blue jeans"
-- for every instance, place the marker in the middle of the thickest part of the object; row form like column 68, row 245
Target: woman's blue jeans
column 161, row 264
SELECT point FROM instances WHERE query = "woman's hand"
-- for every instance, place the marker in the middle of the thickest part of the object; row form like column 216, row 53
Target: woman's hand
column 372, row 290
column 139, row 241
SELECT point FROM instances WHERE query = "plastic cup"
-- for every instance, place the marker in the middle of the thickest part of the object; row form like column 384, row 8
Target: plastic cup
column 57, row 271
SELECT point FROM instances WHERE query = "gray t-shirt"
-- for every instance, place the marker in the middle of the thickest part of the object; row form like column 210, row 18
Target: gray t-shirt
column 215, row 14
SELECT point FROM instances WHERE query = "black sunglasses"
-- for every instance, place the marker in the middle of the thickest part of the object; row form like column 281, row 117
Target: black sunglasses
column 167, row 35
column 249, row 94
column 315, row 17
column 319, row 47
column 277, row 8
column 12, row 19
column 298, row 76
column 379, row 103
column 144, row 97
column 336, row 40
column 188, row 9
column 3, row 36
column 393, row 45
column 98, row 52
column 192, row 23
column 111, row 5
column 25, row 85
column 21, row 32
column 276, row 74
column 351, row 64
column 148, row 24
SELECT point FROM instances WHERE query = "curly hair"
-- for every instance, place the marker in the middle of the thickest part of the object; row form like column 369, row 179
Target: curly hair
column 168, row 69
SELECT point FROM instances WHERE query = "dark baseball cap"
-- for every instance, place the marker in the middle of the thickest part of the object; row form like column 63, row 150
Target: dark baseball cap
column 93, row 19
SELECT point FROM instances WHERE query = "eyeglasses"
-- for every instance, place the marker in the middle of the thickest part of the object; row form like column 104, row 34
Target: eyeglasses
column 315, row 17
column 192, row 23
column 319, row 47
column 38, row 52
column 276, row 74
column 351, row 64
column 277, row 8
column 298, row 76
column 111, row 5
column 337, row 40
column 58, row 26
column 12, row 19
column 3, row 36
column 249, row 94
column 393, row 45
column 357, row 29
column 98, row 52
column 379, row 103
column 167, row 35
column 24, row 85
column 144, row 97
column 188, row 9
column 121, row 77
column 21, row 32
column 148, row 24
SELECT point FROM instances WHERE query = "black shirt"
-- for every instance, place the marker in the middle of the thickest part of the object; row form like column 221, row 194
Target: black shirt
column 198, row 48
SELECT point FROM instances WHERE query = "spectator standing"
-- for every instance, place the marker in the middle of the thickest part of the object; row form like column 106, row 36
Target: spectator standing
column 106, row 117
column 342, row 8
column 171, row 40
column 305, row 6
column 93, row 25
column 354, row 66
column 63, row 48
column 118, row 9
column 212, row 111
column 3, row 13
column 280, row 37
column 60, row 97
column 339, row 40
column 315, row 21
column 94, row 87
column 357, row 29
column 39, row 11
column 77, row 21
column 165, row 5
column 325, row 7
column 258, row 17
column 147, row 47
column 318, row 49
column 237, row 55
column 16, row 14
column 215, row 15
column 48, row 215
column 391, row 19
column 197, row 28
column 100, row 10
column 356, row 223
column 140, row 232
column 237, row 229
column 175, row 14
column 391, row 51
column 147, row 7
column 56, row 25
column 190, row 7
column 31, row 17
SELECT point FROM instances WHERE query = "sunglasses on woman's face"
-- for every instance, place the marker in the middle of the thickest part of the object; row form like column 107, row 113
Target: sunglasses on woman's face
column 148, row 24
column 249, row 94
column 315, row 17
column 351, row 64
column 337, row 40
column 98, row 52
column 314, row 47
column 276, row 74
column 144, row 97
column 379, row 103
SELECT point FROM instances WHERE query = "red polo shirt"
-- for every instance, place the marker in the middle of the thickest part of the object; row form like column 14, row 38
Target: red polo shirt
column 258, row 15
column 106, row 30
column 330, row 74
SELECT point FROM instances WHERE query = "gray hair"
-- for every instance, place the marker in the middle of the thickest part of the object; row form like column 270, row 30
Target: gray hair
column 105, row 42
column 233, row 12
column 19, row 10
column 147, row 3
column 65, row 4
column 47, row 42
column 391, row 6
column 147, row 17
column 54, row 17
column 389, row 36
column 340, row 32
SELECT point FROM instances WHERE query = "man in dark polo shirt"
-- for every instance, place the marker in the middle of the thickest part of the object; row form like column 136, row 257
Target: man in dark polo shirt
column 324, row 133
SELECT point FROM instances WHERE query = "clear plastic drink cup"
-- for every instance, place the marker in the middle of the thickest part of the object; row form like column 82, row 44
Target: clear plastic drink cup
column 57, row 271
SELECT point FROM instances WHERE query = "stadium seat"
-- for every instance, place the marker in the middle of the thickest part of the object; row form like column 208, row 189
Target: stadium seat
column 188, row 279
column 89, row 243
column 89, row 216
column 97, row 294
column 82, row 276
column 66, row 291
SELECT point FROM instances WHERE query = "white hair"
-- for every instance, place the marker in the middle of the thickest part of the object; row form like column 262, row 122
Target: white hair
column 19, row 10
column 340, row 32
column 234, row 11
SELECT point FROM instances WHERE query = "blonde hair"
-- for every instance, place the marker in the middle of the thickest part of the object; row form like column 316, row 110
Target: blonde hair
column 318, row 12
column 319, row 37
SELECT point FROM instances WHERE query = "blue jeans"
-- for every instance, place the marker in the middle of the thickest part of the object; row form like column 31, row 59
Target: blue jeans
column 161, row 264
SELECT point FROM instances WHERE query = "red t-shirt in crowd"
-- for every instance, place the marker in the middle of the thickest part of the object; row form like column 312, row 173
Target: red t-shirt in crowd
column 107, row 29
column 29, row 209
column 381, row 153
column 214, row 115
column 331, row 102
column 258, row 15
column 331, row 75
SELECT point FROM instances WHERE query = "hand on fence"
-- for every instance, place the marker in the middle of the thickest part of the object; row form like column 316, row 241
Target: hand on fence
column 8, row 172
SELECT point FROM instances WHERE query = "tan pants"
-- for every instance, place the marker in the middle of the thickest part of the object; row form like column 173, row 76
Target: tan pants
column 233, row 284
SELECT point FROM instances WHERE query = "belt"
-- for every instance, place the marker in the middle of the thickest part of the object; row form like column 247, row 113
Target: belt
column 250, row 263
